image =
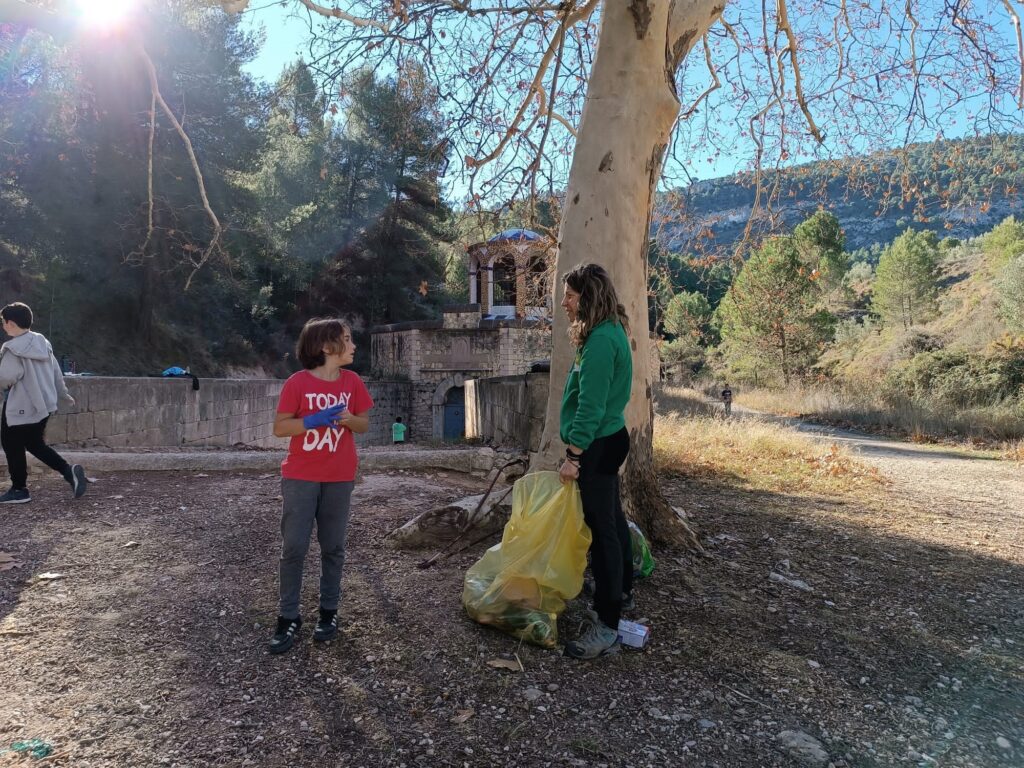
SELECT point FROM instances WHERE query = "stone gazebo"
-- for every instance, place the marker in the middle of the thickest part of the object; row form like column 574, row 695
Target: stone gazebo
column 509, row 274
column 505, row 327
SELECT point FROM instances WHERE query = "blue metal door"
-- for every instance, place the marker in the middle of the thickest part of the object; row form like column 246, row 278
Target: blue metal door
column 455, row 414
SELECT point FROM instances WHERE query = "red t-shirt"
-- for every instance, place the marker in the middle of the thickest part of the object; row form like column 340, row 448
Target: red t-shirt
column 322, row 455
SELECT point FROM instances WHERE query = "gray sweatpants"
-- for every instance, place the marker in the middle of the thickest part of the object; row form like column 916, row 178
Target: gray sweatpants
column 327, row 504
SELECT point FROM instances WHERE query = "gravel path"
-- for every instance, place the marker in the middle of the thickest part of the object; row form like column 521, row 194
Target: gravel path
column 954, row 482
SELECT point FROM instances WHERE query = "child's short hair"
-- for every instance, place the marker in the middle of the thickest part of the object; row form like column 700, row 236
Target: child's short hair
column 18, row 313
column 398, row 419
column 317, row 334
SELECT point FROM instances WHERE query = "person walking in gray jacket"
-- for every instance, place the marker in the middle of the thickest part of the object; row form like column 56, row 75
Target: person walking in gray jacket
column 32, row 379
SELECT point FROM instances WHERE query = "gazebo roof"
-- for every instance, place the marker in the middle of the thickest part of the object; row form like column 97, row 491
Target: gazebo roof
column 511, row 242
column 515, row 235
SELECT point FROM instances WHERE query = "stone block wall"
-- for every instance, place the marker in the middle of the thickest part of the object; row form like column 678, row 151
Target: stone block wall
column 429, row 352
column 507, row 410
column 421, row 418
column 461, row 316
column 155, row 412
column 390, row 399
column 396, row 353
column 522, row 346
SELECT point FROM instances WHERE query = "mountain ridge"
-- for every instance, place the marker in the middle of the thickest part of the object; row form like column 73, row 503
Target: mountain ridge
column 958, row 188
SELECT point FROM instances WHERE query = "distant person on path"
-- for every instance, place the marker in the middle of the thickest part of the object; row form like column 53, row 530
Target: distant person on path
column 319, row 409
column 593, row 426
column 32, row 379
column 727, row 400
column 398, row 431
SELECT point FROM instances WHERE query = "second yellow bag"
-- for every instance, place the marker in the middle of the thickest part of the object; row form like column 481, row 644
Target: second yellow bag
column 521, row 584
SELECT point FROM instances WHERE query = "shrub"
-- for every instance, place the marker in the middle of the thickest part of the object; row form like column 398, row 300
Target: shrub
column 1011, row 294
column 960, row 380
column 918, row 342
column 1004, row 242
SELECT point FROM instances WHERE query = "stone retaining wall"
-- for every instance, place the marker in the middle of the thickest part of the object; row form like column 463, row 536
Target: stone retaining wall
column 157, row 412
column 507, row 410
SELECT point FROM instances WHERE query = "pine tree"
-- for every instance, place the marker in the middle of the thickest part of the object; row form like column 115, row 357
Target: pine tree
column 397, row 219
column 687, row 316
column 905, row 283
column 770, row 317
column 821, row 242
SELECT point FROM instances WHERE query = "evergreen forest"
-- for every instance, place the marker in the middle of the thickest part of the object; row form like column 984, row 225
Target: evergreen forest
column 328, row 206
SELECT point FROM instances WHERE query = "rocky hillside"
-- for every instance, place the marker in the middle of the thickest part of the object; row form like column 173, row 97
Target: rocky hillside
column 956, row 188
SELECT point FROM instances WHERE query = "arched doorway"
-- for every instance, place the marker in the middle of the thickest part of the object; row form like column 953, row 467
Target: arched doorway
column 455, row 413
column 448, row 407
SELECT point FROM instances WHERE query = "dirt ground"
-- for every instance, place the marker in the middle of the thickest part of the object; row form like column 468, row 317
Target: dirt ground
column 892, row 633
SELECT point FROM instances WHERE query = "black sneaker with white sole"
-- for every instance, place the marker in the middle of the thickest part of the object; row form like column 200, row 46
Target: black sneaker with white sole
column 326, row 627
column 16, row 496
column 77, row 480
column 287, row 632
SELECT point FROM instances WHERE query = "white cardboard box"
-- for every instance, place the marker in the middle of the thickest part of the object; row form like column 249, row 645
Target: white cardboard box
column 632, row 634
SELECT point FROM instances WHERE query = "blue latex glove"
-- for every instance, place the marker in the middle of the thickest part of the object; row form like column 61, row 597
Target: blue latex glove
column 328, row 417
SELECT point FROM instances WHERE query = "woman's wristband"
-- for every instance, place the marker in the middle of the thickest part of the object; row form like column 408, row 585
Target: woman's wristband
column 574, row 458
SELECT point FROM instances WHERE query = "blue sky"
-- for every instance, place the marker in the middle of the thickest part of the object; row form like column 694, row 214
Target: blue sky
column 286, row 40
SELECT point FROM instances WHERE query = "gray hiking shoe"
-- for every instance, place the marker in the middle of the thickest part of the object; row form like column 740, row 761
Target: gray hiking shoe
column 596, row 640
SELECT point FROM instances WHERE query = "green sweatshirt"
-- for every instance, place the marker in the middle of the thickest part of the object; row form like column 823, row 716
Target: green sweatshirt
column 598, row 387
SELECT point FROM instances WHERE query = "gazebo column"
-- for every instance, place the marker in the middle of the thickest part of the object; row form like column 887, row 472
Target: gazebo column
column 486, row 285
column 521, row 259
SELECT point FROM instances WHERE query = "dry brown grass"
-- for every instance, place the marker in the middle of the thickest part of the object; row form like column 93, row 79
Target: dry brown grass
column 692, row 439
column 973, row 427
column 1013, row 450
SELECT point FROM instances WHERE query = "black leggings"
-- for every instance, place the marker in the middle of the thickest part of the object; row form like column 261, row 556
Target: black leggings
column 28, row 437
column 611, row 551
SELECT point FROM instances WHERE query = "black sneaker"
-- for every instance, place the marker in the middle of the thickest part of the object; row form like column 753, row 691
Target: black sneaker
column 77, row 480
column 327, row 626
column 284, row 637
column 16, row 496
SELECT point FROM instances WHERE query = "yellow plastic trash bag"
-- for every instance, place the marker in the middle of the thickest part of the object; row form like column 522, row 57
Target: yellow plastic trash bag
column 520, row 585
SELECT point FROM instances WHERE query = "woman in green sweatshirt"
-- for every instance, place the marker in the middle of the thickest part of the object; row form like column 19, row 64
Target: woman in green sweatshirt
column 593, row 427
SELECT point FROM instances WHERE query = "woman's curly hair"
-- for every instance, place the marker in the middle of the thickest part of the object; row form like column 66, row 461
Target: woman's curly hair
column 598, row 301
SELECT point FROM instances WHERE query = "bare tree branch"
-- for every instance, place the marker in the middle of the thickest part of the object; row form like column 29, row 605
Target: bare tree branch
column 158, row 97
column 783, row 23
column 337, row 13
column 715, row 82
column 532, row 91
column 141, row 252
column 1015, row 18
column 909, row 11
column 534, row 167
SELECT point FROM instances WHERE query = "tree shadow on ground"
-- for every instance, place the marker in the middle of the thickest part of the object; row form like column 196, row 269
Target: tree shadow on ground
column 917, row 646
column 914, row 636
column 19, row 538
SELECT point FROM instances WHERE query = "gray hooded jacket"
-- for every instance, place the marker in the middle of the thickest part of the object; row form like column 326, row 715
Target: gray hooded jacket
column 31, row 372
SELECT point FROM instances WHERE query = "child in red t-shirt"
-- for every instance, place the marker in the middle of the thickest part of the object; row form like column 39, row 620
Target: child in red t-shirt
column 319, row 409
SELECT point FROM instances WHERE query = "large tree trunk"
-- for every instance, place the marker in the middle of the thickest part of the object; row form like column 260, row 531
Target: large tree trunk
column 630, row 111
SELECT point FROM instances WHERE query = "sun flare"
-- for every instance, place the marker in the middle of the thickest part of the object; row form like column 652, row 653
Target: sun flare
column 104, row 14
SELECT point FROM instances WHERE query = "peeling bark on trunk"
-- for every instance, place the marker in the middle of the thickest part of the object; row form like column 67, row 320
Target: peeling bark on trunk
column 630, row 111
